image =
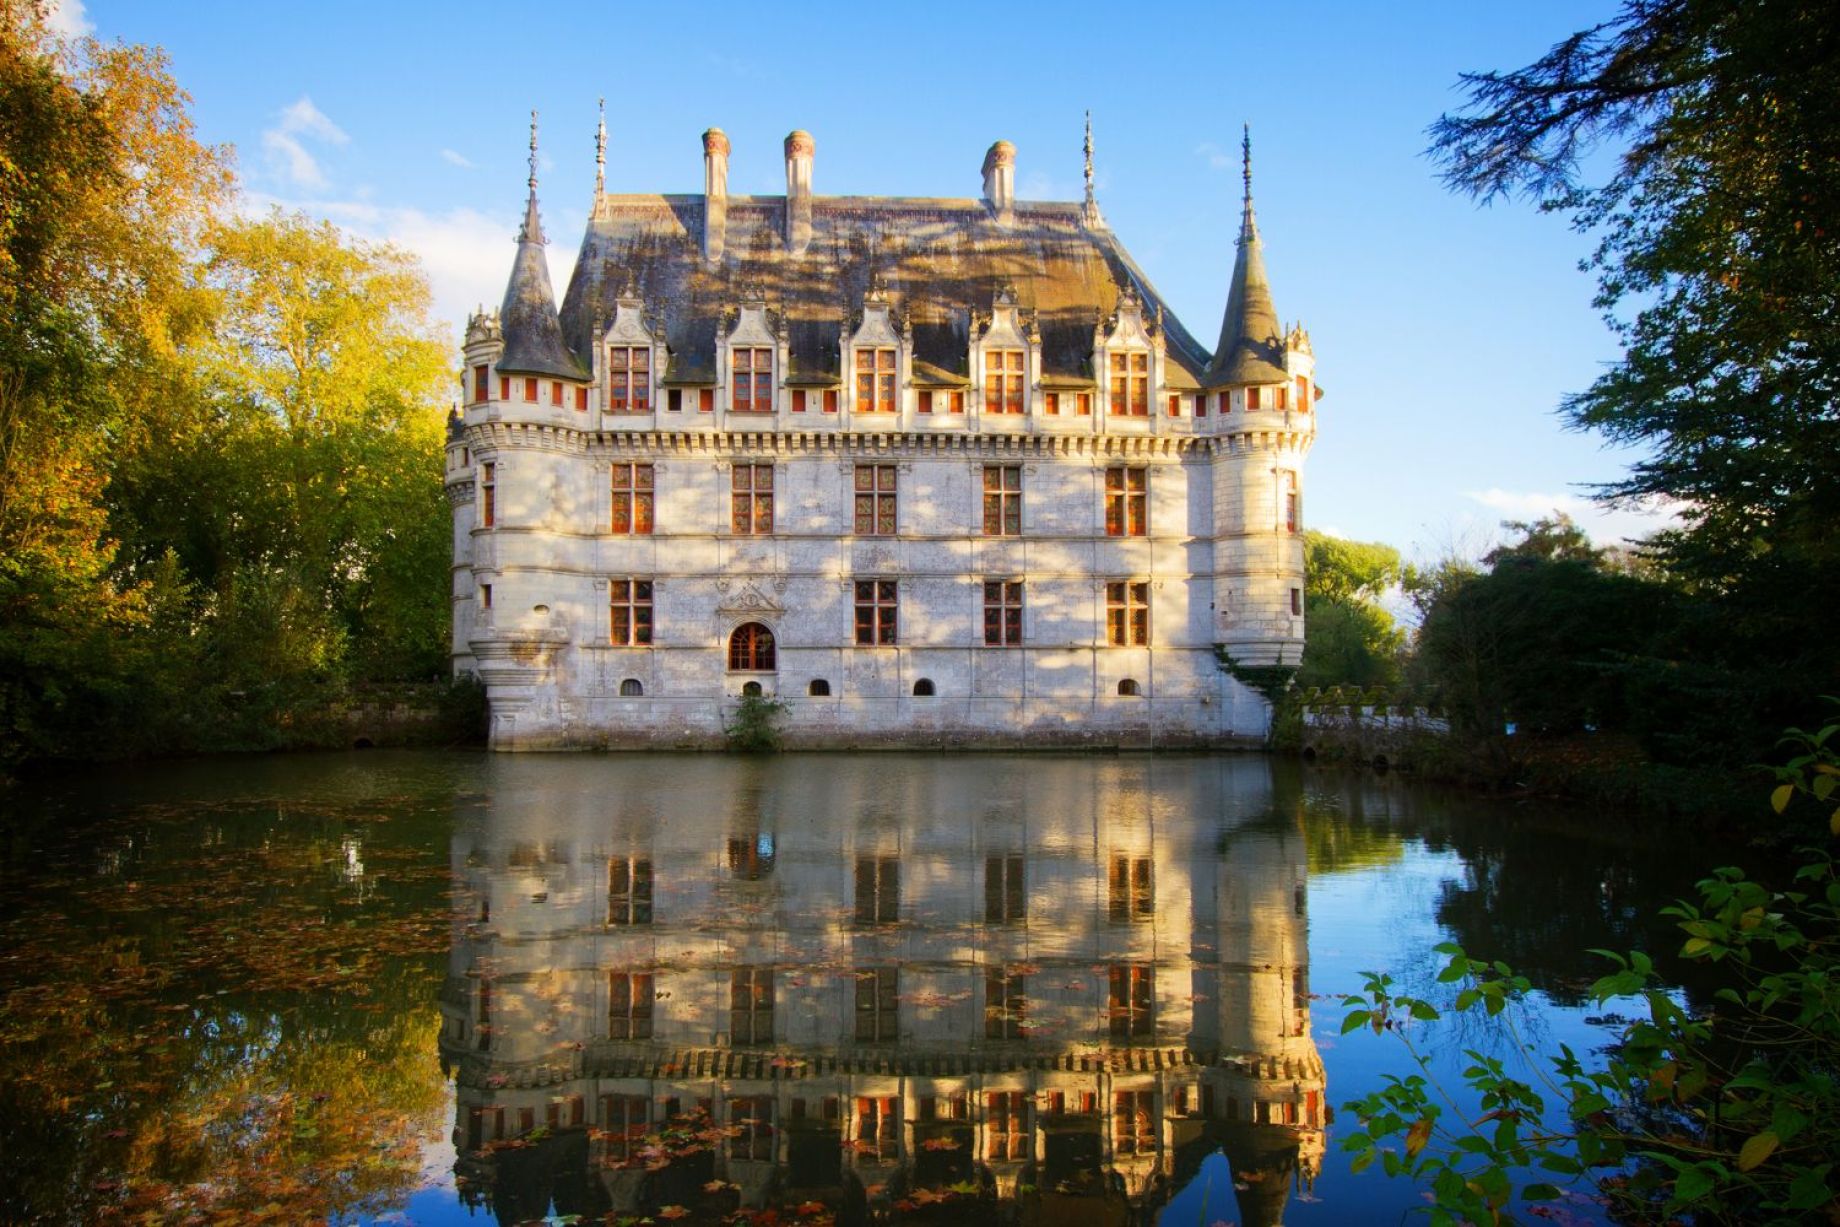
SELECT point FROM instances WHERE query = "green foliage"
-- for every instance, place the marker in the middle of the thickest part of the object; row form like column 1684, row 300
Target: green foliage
column 1351, row 640
column 1732, row 1116
column 755, row 727
column 1272, row 681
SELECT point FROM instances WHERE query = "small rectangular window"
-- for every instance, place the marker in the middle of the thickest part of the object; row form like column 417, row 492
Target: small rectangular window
column 629, row 890
column 1004, row 900
column 750, row 1000
column 1131, row 999
column 830, row 400
column 629, row 604
column 706, row 400
column 555, row 393
column 1002, row 613
column 1005, row 1002
column 1131, row 890
column 1051, row 403
column 1201, row 404
column 1279, row 395
column 798, row 400
column 530, row 389
column 504, row 387
column 875, row 500
column 925, row 404
column 488, row 494
column 1083, row 404
column 1127, row 508
column 485, row 596
column 1303, row 394
column 1296, row 602
column 629, row 1005
column 1002, row 500
column 878, row 890
column 1175, row 405
column 631, row 498
column 1287, row 500
column 581, row 400
column 1252, row 398
column 481, row 384
column 674, row 400
column 876, row 610
column 878, row 1020
column 1127, row 613
column 958, row 402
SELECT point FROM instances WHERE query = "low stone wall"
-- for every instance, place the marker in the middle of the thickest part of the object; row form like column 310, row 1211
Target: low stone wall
column 1383, row 735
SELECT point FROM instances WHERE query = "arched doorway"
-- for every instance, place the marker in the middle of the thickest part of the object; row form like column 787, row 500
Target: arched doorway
column 751, row 649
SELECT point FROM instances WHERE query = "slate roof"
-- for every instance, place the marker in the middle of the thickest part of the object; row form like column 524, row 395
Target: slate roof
column 939, row 260
column 533, row 337
column 1251, row 348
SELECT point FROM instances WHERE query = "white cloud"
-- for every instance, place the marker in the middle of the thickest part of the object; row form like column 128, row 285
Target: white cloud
column 456, row 159
column 1215, row 156
column 67, row 19
column 1606, row 525
column 288, row 156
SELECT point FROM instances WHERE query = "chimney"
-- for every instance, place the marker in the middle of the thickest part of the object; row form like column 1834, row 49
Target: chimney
column 1000, row 181
column 715, row 192
column 799, row 150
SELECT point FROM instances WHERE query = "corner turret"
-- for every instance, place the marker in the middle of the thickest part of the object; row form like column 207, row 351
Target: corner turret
column 532, row 331
column 1251, row 348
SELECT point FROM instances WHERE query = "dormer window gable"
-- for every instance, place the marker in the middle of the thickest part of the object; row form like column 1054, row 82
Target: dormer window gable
column 753, row 356
column 877, row 357
column 1129, row 359
column 629, row 355
column 1008, row 357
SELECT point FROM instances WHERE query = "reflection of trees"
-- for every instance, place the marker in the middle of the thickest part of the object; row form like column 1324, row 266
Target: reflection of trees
column 211, row 1017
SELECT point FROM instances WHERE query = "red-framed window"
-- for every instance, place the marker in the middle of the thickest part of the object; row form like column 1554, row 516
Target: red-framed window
column 629, row 618
column 1127, row 505
column 876, row 611
column 875, row 500
column 1127, row 613
column 750, row 380
column 632, row 498
column 1002, row 613
column 629, row 379
column 875, row 381
column 751, row 500
column 1005, row 380
column 1130, row 384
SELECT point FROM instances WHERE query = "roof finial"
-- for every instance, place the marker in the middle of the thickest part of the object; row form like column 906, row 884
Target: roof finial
column 600, row 152
column 533, row 152
column 1245, row 153
column 1088, row 151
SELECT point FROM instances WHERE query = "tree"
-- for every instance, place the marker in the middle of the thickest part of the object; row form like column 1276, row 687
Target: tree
column 1719, row 266
column 1352, row 641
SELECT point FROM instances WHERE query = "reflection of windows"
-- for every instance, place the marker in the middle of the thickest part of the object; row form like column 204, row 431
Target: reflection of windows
column 629, row 1005
column 751, row 1119
column 630, row 613
column 1006, row 1125
column 1133, row 1122
column 1126, row 505
column 878, row 1127
column 1130, row 384
column 875, row 611
column 878, row 890
column 632, row 498
column 482, row 1026
column 875, row 500
column 629, row 891
column 875, row 381
column 751, row 859
column 1132, row 891
column 1002, row 500
column 751, row 500
column 1130, row 1000
column 1004, row 900
column 878, row 1017
column 750, row 1006
column 1127, row 613
column 1004, row 1004
column 624, row 1120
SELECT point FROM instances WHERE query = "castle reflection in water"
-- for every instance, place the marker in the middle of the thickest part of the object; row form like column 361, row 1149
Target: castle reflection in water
column 894, row 986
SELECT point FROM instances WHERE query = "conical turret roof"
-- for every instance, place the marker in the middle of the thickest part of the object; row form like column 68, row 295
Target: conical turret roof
column 1251, row 348
column 532, row 330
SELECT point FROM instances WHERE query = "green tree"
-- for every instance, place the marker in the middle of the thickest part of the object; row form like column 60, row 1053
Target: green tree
column 1719, row 265
column 1352, row 641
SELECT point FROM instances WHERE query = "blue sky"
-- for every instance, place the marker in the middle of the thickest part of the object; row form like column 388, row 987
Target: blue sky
column 1445, row 334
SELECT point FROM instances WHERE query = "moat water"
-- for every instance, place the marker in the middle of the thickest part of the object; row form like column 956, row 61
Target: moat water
column 452, row 987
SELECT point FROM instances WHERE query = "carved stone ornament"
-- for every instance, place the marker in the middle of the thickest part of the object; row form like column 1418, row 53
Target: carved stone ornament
column 750, row 600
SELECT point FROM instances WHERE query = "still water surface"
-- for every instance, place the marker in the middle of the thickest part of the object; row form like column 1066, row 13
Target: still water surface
column 433, row 987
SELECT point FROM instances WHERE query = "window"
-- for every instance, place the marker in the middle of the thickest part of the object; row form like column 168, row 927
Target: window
column 750, row 380
column 750, row 1006
column 1175, row 405
column 1296, row 602
column 625, row 1119
column 581, row 400
column 629, row 603
column 1004, row 901
column 1279, row 397
column 751, row 649
column 530, row 389
column 751, row 500
column 1287, row 500
column 1002, row 500
column 819, row 688
column 878, row 890
column 875, row 500
column 632, row 498
column 1131, row 890
column 875, row 612
column 504, row 387
column 1129, row 686
column 878, row 1127
column 1133, row 1122
column 923, row 689
column 1201, row 404
column 1083, row 404
column 555, row 393
column 632, row 688
column 485, row 596
column 674, row 400
column 798, row 400
column 1127, row 613
column 751, row 690
column 1003, row 1004
column 482, row 385
column 1252, row 397
column 1002, row 613
column 629, row 380
column 1051, row 403
column 875, row 381
column 750, row 1121
column 1130, row 1000
column 1131, row 384
column 482, row 1025
column 878, row 1018
column 1127, row 506
column 1303, row 394
column 751, row 859
column 830, row 400
column 955, row 402
column 629, row 890
column 1006, row 1125
column 1004, row 380
column 629, row 1005
column 925, row 402
column 488, row 494
column 705, row 400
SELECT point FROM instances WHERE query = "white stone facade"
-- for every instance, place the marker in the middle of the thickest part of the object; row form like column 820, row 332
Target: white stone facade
column 1156, row 520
